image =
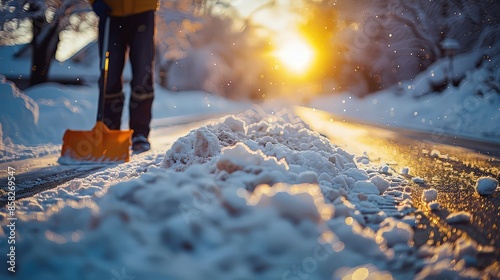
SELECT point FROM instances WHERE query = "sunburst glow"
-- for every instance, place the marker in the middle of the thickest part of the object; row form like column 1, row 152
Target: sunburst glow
column 296, row 55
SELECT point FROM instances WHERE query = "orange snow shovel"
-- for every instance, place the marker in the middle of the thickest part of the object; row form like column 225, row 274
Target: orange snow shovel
column 99, row 144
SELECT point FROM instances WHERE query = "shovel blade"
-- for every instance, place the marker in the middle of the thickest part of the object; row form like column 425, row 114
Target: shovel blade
column 97, row 145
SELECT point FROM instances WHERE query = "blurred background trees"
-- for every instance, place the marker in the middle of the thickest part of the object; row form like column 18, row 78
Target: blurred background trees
column 40, row 22
column 208, row 46
column 389, row 41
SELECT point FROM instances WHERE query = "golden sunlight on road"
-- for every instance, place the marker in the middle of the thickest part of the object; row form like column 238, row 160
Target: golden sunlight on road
column 295, row 54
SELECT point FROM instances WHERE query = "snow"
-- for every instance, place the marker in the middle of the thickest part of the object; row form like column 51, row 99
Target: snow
column 381, row 183
column 210, row 216
column 486, row 185
column 434, row 205
column 469, row 110
column 395, row 232
column 450, row 44
column 366, row 188
column 251, row 196
column 385, row 168
column 435, row 153
column 405, row 170
column 429, row 195
column 418, row 180
column 256, row 195
column 459, row 217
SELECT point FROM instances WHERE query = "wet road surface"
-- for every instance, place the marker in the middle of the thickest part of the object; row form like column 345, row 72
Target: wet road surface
column 451, row 169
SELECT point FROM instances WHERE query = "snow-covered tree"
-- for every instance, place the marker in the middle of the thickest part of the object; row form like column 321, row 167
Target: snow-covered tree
column 209, row 47
column 396, row 39
column 42, row 21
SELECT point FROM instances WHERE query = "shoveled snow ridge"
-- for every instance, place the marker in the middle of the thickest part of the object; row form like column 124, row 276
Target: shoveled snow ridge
column 254, row 196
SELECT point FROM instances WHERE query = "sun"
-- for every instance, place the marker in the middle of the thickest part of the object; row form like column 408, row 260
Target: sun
column 296, row 55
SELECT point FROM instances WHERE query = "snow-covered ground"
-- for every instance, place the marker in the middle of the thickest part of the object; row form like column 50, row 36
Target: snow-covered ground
column 252, row 196
column 256, row 195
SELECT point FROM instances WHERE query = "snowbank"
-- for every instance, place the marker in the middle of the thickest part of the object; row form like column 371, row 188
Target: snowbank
column 31, row 121
column 472, row 109
column 18, row 110
column 19, row 125
column 260, row 196
column 437, row 74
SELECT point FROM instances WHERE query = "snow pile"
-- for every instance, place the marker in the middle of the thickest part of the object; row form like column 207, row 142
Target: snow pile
column 405, row 170
column 396, row 233
column 43, row 113
column 19, row 119
column 434, row 205
column 437, row 74
column 435, row 154
column 455, row 261
column 260, row 196
column 17, row 109
column 30, row 121
column 486, row 185
column 459, row 217
column 429, row 195
column 418, row 180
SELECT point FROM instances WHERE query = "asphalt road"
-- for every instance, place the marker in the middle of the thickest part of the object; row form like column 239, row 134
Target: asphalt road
column 453, row 172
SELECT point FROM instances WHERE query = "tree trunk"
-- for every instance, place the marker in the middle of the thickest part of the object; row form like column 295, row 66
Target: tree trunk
column 44, row 46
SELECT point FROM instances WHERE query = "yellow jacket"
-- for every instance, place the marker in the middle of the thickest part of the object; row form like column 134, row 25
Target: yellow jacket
column 129, row 7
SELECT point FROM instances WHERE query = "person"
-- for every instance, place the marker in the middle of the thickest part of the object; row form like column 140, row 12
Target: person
column 132, row 28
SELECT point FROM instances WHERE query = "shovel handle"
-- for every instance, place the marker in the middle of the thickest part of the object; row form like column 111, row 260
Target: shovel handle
column 104, row 70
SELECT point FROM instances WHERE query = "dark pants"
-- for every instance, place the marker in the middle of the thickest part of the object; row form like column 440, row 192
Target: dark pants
column 134, row 33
